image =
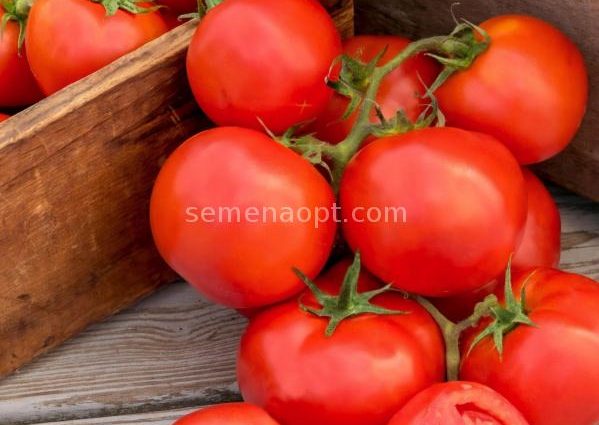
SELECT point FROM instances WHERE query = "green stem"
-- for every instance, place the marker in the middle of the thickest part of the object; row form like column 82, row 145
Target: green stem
column 452, row 331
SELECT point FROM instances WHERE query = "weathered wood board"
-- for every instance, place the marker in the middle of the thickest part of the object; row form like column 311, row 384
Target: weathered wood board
column 174, row 352
column 577, row 168
column 76, row 172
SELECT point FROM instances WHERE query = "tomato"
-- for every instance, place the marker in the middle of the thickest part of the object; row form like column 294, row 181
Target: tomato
column 541, row 244
column 540, row 247
column 529, row 90
column 403, row 88
column 458, row 403
column 4, row 117
column 262, row 59
column 550, row 372
column 180, row 7
column 17, row 85
column 83, row 38
column 229, row 414
column 436, row 212
column 362, row 374
column 229, row 213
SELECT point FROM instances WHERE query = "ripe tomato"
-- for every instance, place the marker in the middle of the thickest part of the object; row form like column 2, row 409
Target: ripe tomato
column 4, row 117
column 229, row 213
column 529, row 90
column 263, row 59
column 229, row 414
column 541, row 244
column 17, row 85
column 83, row 39
column 436, row 212
column 403, row 88
column 540, row 247
column 362, row 374
column 180, row 7
column 458, row 403
column 550, row 372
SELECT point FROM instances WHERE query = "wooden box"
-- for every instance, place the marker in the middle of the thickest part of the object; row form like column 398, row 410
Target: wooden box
column 76, row 170
column 76, row 173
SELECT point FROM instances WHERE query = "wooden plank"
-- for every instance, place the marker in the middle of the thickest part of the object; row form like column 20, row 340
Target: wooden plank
column 153, row 418
column 171, row 351
column 577, row 168
column 160, row 418
column 76, row 172
column 176, row 351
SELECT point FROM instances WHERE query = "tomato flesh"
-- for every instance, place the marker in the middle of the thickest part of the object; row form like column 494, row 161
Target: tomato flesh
column 458, row 403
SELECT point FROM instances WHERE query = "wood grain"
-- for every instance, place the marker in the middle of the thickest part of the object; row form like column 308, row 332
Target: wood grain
column 175, row 351
column 76, row 172
column 153, row 418
column 577, row 168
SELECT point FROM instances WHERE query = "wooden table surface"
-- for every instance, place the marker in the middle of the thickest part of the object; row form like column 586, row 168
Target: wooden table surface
column 174, row 352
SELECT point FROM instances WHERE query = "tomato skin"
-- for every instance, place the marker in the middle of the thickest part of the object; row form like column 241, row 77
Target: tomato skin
column 458, row 403
column 229, row 414
column 243, row 262
column 4, row 117
column 532, row 77
column 17, row 85
column 541, row 243
column 464, row 201
column 83, row 38
column 362, row 374
column 403, row 88
column 540, row 247
column 279, row 78
column 549, row 372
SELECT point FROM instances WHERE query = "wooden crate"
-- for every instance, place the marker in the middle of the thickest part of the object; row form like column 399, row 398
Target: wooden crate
column 577, row 168
column 76, row 172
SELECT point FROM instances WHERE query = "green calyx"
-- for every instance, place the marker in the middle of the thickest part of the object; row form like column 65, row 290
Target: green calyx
column 203, row 7
column 131, row 6
column 354, row 79
column 17, row 11
column 506, row 318
column 459, row 51
column 349, row 302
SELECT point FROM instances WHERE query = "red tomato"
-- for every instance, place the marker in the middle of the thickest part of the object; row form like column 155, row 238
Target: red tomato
column 83, row 39
column 17, row 85
column 362, row 374
column 529, row 90
column 540, row 247
column 228, row 414
column 263, row 59
column 4, row 117
column 180, row 7
column 462, row 198
column 549, row 372
column 242, row 260
column 458, row 403
column 541, row 244
column 403, row 88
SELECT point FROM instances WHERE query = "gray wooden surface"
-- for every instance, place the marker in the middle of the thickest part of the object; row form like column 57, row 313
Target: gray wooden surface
column 174, row 352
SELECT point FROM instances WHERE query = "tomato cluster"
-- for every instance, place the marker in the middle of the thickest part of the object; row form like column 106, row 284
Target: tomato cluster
column 407, row 157
column 436, row 131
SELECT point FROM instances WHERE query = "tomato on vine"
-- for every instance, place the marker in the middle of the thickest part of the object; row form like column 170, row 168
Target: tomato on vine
column 233, row 211
column 529, row 89
column 261, row 60
column 440, row 209
column 343, row 354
